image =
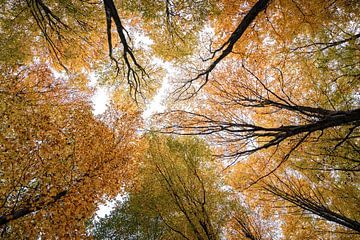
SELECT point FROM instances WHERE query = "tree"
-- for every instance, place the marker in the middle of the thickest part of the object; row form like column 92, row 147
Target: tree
column 285, row 95
column 176, row 195
column 267, row 94
column 57, row 160
column 251, row 108
column 272, row 85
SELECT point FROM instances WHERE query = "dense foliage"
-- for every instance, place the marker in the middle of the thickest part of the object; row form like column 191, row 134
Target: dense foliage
column 268, row 89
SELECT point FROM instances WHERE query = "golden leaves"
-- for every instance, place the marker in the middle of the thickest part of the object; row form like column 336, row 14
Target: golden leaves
column 58, row 161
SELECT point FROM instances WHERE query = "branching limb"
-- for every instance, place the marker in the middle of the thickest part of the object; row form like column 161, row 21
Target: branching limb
column 44, row 17
column 204, row 125
column 133, row 71
column 325, row 45
column 313, row 202
column 226, row 48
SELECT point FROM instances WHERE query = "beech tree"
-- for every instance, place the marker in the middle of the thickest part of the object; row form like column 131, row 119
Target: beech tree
column 267, row 93
column 179, row 193
column 175, row 195
column 57, row 160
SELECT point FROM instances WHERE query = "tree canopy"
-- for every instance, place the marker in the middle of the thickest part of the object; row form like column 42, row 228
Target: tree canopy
column 266, row 90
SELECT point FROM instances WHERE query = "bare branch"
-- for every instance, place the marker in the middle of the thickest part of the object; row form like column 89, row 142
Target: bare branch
column 226, row 48
column 133, row 71
column 325, row 45
column 294, row 193
column 204, row 125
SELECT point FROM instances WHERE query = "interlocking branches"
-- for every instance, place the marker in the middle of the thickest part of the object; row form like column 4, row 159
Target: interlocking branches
column 325, row 45
column 311, row 200
column 269, row 136
column 247, row 226
column 225, row 49
column 132, row 70
column 49, row 23
column 192, row 206
column 234, row 127
column 45, row 18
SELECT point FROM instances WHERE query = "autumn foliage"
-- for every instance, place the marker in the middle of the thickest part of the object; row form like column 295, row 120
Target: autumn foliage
column 267, row 89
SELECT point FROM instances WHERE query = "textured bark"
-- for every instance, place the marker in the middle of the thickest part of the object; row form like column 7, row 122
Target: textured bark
column 30, row 209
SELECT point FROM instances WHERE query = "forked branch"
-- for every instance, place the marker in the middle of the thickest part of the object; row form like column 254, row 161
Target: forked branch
column 226, row 48
column 132, row 70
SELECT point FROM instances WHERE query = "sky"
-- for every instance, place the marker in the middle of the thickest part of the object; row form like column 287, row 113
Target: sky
column 100, row 100
column 105, row 208
column 102, row 94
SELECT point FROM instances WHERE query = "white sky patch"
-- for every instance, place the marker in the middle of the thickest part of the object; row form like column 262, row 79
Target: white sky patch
column 101, row 97
column 105, row 209
column 100, row 100
column 93, row 79
column 143, row 41
column 57, row 74
column 156, row 105
column 108, row 206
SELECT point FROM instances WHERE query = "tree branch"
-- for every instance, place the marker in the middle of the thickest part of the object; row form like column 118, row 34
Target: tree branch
column 227, row 47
